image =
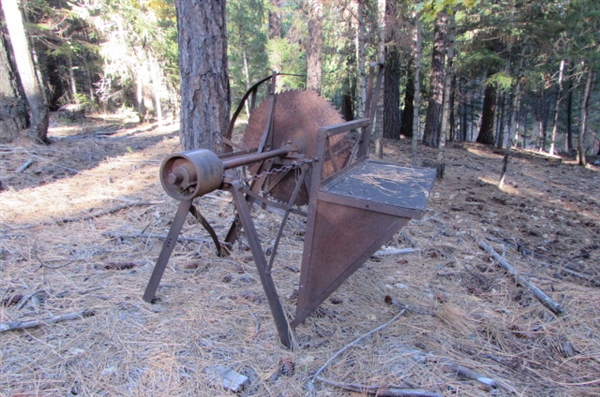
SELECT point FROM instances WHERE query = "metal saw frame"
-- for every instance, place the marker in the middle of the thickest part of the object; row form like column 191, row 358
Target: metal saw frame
column 191, row 174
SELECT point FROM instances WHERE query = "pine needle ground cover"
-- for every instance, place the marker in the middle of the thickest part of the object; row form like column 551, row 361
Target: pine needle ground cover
column 81, row 228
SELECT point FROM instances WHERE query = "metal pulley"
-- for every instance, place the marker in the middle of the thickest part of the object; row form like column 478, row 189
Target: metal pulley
column 187, row 175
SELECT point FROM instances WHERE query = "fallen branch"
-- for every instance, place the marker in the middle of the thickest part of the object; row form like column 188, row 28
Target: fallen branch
column 27, row 297
column 385, row 391
column 24, row 166
column 467, row 373
column 555, row 307
column 390, row 301
column 14, row 325
column 591, row 279
column 354, row 342
column 394, row 251
column 42, row 264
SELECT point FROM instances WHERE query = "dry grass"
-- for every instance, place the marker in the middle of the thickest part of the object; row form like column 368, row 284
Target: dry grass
column 212, row 311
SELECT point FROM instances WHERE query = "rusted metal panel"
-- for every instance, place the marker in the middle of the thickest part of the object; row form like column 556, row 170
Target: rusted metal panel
column 351, row 214
column 385, row 187
column 341, row 240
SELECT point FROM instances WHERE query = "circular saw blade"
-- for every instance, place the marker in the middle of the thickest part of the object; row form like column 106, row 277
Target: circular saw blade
column 297, row 116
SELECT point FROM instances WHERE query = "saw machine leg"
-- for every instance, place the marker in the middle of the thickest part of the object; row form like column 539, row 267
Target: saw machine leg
column 243, row 212
column 171, row 240
column 255, row 186
column 167, row 249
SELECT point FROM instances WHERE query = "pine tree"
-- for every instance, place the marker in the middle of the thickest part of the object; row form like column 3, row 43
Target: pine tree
column 33, row 88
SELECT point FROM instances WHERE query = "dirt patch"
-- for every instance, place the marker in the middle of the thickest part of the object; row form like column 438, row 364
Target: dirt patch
column 81, row 229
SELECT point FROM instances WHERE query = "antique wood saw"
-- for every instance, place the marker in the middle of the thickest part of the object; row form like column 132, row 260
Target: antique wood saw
column 299, row 151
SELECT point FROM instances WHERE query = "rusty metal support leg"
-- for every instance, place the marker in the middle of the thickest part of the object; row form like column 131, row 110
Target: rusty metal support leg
column 279, row 316
column 222, row 250
column 255, row 186
column 299, row 183
column 167, row 249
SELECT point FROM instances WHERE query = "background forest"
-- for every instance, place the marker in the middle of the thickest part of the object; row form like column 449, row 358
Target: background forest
column 503, row 72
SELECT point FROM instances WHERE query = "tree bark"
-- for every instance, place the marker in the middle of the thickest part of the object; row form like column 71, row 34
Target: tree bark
column 486, row 131
column 13, row 106
column 275, row 20
column 433, row 121
column 500, row 133
column 360, row 56
column 406, row 121
column 32, row 87
column 584, row 111
column 156, row 82
column 569, row 140
column 516, row 102
column 417, row 99
column 391, row 90
column 205, row 97
column 448, row 77
column 559, row 96
column 314, row 48
column 347, row 109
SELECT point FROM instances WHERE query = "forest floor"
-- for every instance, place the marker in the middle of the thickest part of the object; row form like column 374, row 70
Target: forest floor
column 81, row 228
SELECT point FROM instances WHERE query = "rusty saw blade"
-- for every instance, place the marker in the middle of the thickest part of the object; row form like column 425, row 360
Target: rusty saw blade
column 297, row 116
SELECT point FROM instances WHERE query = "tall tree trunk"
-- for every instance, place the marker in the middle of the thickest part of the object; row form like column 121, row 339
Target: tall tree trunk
column 32, row 87
column 391, row 89
column 559, row 96
column 247, row 81
column 314, row 48
column 139, row 93
column 501, row 120
column 275, row 20
column 584, row 111
column 486, row 130
column 544, row 122
column 453, row 112
column 406, row 121
column 348, row 99
column 433, row 121
column 72, row 81
column 418, row 37
column 157, row 88
column 464, row 124
column 87, row 74
column 569, row 140
column 378, row 127
column 13, row 105
column 516, row 103
column 449, row 76
column 205, row 98
column 360, row 56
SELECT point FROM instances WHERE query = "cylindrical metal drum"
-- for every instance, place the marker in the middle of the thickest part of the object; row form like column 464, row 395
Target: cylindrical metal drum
column 187, row 175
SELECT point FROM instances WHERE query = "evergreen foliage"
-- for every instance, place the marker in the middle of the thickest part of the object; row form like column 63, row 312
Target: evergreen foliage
column 123, row 54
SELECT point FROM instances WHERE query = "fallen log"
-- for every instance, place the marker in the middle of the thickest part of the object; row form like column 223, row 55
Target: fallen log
column 381, row 391
column 467, row 373
column 394, row 251
column 14, row 325
column 24, row 166
column 552, row 305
